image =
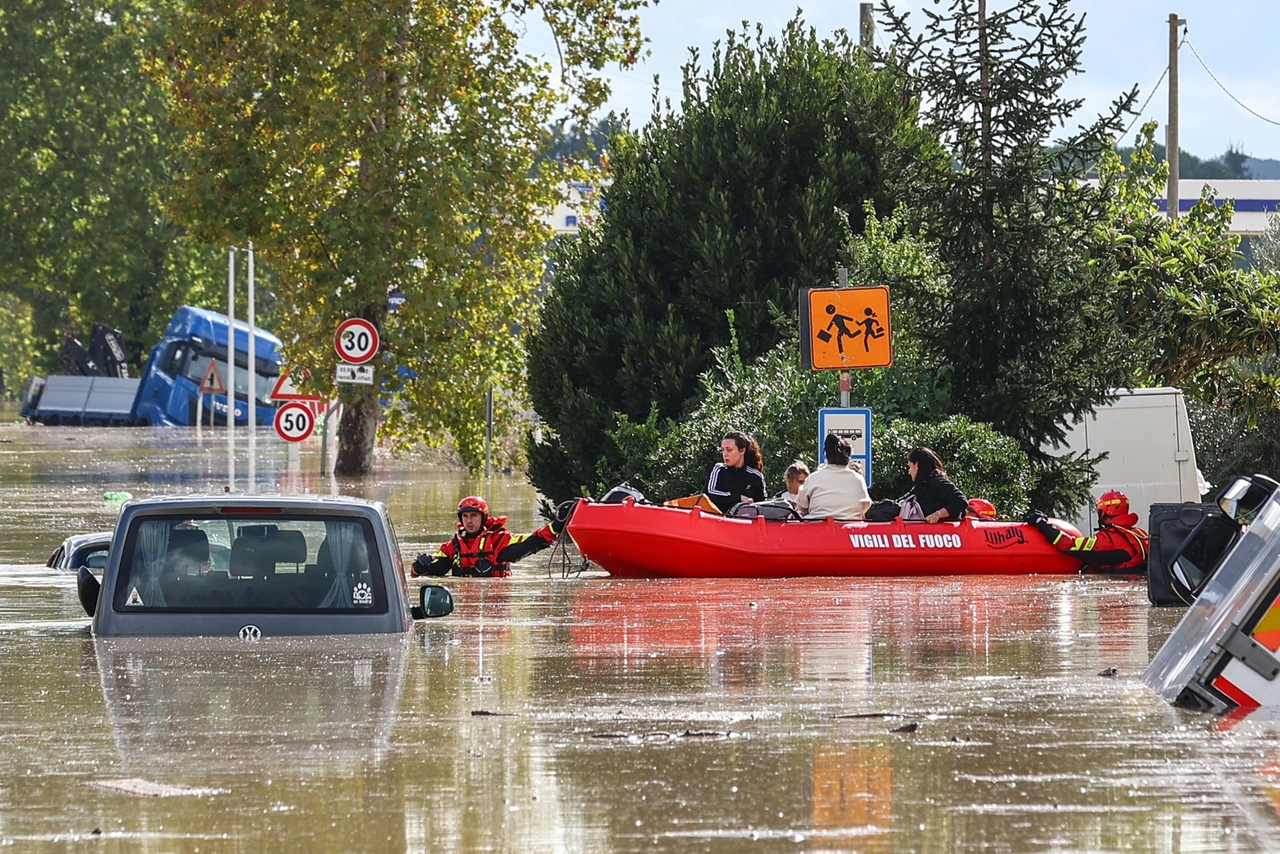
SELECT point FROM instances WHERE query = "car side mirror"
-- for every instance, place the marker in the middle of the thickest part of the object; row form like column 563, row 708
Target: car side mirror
column 88, row 587
column 1200, row 555
column 1241, row 498
column 434, row 601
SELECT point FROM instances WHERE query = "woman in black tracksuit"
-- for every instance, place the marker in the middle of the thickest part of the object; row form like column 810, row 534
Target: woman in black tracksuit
column 938, row 497
column 741, row 476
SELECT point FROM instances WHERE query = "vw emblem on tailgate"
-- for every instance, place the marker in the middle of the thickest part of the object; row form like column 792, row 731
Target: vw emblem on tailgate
column 250, row 633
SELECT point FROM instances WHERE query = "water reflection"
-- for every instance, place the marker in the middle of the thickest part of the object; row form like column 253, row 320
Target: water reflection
column 182, row 705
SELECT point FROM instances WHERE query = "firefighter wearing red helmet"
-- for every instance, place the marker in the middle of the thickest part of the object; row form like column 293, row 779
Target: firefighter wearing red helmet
column 482, row 546
column 1118, row 546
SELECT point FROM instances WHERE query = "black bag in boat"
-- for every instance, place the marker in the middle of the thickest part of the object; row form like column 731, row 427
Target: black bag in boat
column 622, row 492
column 774, row 510
column 885, row 510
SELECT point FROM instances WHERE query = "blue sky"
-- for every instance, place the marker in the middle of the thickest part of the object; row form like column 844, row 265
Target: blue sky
column 1127, row 45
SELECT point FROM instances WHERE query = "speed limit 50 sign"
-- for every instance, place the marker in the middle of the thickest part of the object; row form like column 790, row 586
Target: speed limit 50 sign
column 356, row 340
column 295, row 421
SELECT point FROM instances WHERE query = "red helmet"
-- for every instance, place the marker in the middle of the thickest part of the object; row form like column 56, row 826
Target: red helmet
column 473, row 504
column 1113, row 503
column 982, row 508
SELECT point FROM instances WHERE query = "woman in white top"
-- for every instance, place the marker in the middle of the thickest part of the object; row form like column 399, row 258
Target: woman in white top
column 836, row 489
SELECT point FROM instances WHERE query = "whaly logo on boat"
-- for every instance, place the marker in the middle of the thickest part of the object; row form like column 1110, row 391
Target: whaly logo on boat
column 905, row 541
column 1005, row 537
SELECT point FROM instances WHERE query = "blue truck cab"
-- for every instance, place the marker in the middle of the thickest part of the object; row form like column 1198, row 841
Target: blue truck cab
column 166, row 395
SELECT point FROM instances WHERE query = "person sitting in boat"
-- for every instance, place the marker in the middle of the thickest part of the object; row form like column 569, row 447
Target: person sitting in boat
column 836, row 489
column 482, row 547
column 795, row 477
column 938, row 497
column 740, row 478
column 1119, row 546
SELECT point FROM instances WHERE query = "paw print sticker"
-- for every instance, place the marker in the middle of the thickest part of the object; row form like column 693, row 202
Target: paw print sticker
column 362, row 594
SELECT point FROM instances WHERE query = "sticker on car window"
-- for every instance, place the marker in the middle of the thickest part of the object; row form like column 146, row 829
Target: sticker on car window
column 134, row 598
column 362, row 594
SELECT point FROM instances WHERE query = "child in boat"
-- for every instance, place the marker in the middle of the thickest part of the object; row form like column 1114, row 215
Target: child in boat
column 836, row 489
column 740, row 478
column 795, row 477
column 482, row 547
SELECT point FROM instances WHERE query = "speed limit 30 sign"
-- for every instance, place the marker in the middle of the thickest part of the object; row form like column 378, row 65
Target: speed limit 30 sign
column 356, row 340
column 294, row 421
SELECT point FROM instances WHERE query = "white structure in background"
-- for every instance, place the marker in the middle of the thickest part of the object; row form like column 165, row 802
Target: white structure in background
column 583, row 204
column 1150, row 454
column 1254, row 199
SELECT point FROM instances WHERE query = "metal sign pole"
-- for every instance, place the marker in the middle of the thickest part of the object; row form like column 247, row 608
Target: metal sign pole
column 843, row 282
column 231, row 371
column 253, row 385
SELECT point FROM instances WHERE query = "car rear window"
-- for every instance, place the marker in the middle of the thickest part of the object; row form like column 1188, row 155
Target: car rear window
column 230, row 564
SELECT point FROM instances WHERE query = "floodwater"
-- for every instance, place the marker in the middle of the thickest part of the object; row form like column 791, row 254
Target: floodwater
column 584, row 714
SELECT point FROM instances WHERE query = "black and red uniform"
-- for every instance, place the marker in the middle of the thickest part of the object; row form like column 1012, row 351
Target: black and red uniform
column 488, row 553
column 1119, row 546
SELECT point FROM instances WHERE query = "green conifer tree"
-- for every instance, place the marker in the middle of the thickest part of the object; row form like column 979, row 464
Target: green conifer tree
column 1027, row 330
column 730, row 203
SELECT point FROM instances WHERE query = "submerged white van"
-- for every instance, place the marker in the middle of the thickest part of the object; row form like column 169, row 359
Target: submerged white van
column 1150, row 454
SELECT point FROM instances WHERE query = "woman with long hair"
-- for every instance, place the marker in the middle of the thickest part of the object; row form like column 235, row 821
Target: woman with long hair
column 938, row 497
column 740, row 477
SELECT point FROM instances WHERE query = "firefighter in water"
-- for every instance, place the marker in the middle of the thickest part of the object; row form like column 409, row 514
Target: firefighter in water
column 1119, row 546
column 482, row 547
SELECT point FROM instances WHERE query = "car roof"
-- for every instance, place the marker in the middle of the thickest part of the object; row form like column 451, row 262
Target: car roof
column 218, row 501
column 76, row 541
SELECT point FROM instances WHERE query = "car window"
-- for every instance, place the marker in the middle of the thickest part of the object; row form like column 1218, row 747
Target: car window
column 307, row 564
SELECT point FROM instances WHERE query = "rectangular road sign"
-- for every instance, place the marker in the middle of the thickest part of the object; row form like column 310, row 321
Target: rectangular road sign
column 359, row 374
column 842, row 328
column 851, row 424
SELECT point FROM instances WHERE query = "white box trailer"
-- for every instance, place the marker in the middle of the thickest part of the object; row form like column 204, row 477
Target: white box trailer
column 1150, row 454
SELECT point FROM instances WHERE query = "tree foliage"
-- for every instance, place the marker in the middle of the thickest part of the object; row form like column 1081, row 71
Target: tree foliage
column 85, row 148
column 1026, row 328
column 366, row 147
column 729, row 203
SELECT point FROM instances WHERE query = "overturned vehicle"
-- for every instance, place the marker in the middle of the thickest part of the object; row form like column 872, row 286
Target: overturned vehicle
column 1222, row 656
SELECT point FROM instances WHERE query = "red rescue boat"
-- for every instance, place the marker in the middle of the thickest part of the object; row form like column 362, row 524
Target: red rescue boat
column 633, row 540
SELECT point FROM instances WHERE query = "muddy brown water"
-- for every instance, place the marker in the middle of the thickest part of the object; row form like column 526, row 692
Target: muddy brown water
column 589, row 714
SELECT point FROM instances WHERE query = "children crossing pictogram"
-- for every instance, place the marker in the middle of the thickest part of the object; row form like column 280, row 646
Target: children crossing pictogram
column 845, row 328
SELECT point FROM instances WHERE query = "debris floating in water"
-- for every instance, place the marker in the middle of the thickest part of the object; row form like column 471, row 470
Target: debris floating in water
column 906, row 728
column 149, row 789
column 117, row 496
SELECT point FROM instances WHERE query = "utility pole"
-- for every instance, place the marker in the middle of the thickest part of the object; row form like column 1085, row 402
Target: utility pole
column 1171, row 150
column 866, row 26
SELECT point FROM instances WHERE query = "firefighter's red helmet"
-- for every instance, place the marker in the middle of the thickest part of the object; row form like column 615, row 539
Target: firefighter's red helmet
column 473, row 504
column 982, row 508
column 1113, row 503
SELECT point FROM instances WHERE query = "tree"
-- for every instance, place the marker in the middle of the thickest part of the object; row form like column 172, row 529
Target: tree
column 729, row 204
column 1177, row 291
column 1026, row 330
column 369, row 147
column 84, row 148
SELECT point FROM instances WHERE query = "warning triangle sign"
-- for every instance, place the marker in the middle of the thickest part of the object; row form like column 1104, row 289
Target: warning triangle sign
column 134, row 598
column 212, row 382
column 284, row 389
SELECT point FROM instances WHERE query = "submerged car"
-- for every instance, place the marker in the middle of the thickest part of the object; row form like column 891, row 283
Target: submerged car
column 254, row 566
column 89, row 550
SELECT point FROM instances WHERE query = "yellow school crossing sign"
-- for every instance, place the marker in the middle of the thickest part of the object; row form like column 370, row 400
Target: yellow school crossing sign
column 842, row 328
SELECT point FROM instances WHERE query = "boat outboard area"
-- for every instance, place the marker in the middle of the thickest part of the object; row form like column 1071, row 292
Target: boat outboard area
column 1222, row 656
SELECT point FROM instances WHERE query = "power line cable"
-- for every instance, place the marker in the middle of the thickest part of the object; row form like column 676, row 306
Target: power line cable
column 1247, row 109
column 1143, row 108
